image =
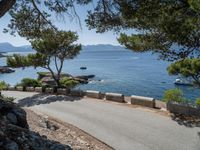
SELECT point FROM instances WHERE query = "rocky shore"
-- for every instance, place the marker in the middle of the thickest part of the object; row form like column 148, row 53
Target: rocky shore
column 46, row 78
column 4, row 69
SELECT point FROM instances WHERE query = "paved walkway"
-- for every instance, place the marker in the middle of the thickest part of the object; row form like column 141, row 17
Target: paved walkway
column 122, row 127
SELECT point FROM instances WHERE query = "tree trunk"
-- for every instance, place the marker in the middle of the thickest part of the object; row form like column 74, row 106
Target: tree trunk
column 5, row 5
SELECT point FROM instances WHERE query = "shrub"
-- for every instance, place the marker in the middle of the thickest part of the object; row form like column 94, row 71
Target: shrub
column 3, row 85
column 8, row 99
column 197, row 102
column 175, row 95
column 66, row 82
column 29, row 82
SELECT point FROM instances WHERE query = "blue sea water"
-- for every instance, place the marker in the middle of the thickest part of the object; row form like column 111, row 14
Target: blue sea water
column 116, row 71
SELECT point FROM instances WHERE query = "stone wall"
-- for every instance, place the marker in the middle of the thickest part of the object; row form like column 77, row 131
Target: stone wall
column 184, row 109
column 116, row 97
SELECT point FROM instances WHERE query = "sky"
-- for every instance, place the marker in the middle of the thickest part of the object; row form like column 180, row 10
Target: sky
column 86, row 37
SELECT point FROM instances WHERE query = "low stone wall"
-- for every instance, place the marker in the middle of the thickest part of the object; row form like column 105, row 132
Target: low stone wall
column 30, row 89
column 11, row 88
column 184, row 109
column 39, row 89
column 77, row 93
column 115, row 97
column 93, row 94
column 63, row 91
column 20, row 88
column 143, row 101
column 49, row 90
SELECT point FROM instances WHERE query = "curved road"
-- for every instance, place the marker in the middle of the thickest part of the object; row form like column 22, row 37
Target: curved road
column 122, row 127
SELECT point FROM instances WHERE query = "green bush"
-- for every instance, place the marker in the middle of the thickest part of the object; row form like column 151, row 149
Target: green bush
column 66, row 82
column 175, row 95
column 197, row 102
column 3, row 85
column 29, row 82
column 8, row 99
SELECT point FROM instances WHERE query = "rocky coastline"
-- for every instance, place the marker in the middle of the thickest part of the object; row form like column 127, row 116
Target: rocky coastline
column 5, row 69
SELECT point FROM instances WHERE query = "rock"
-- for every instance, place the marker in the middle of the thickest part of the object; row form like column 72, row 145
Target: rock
column 11, row 146
column 48, row 81
column 12, row 118
column 85, row 77
column 4, row 69
column 15, row 134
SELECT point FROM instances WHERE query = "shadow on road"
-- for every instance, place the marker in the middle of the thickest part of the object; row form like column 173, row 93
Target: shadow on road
column 188, row 121
column 44, row 99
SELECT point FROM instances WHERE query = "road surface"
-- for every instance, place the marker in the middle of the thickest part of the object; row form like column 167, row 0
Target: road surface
column 122, row 127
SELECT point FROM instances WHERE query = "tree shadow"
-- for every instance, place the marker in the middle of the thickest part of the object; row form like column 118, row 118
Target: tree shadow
column 44, row 99
column 188, row 121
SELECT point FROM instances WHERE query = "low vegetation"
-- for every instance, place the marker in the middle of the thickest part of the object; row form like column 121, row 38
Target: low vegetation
column 66, row 82
column 3, row 85
column 28, row 82
column 176, row 95
column 197, row 102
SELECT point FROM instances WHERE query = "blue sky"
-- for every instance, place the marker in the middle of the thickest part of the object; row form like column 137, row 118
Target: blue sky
column 86, row 37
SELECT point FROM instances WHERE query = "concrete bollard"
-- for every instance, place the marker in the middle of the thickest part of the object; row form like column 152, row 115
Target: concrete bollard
column 63, row 91
column 30, row 89
column 115, row 97
column 20, row 88
column 39, row 89
column 93, row 94
column 77, row 93
column 143, row 101
column 49, row 90
column 11, row 88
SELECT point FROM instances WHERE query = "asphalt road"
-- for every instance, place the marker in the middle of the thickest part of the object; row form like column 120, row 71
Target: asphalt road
column 122, row 127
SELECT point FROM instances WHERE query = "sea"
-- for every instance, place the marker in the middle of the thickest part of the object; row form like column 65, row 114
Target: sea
column 118, row 71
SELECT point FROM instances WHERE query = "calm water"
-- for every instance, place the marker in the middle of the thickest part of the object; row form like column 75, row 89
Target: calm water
column 119, row 71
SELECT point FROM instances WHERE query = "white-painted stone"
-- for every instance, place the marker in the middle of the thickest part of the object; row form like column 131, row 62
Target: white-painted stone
column 143, row 101
column 93, row 94
column 115, row 97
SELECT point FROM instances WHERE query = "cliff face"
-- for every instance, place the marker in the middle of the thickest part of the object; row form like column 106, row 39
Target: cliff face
column 15, row 134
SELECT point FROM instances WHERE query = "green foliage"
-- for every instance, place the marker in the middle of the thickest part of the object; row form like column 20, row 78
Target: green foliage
column 66, row 82
column 197, row 102
column 52, row 48
column 162, row 25
column 5, row 98
column 28, row 82
column 175, row 95
column 186, row 68
column 29, row 17
column 3, row 85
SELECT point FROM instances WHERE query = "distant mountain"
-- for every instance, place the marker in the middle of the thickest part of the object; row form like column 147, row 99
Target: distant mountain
column 102, row 47
column 7, row 47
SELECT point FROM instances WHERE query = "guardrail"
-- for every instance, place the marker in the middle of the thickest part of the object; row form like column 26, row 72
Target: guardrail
column 116, row 97
column 143, row 101
column 172, row 107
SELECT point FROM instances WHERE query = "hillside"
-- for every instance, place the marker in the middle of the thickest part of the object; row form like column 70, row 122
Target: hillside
column 7, row 47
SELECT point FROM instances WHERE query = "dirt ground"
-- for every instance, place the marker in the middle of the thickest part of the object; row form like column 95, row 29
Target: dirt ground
column 64, row 133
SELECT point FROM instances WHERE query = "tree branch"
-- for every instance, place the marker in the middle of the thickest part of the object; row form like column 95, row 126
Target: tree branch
column 5, row 5
column 40, row 13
